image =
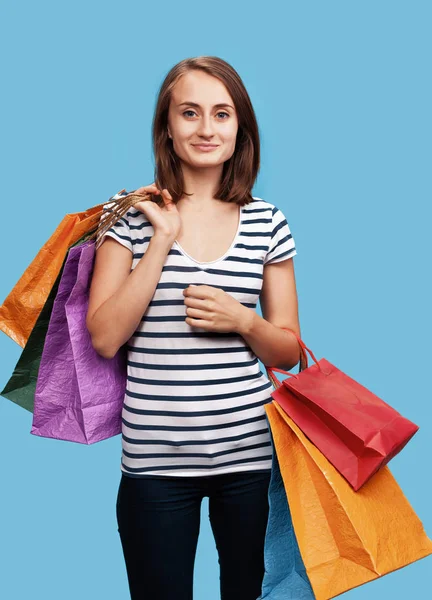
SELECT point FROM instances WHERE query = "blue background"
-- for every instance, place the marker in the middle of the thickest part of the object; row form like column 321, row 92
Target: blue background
column 342, row 93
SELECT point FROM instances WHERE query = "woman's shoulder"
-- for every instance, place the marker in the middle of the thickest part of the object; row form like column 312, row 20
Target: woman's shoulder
column 133, row 216
column 259, row 202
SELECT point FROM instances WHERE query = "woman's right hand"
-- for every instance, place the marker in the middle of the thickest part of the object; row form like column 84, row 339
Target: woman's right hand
column 166, row 220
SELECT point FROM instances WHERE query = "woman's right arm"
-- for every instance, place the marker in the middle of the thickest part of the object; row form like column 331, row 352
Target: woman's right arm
column 118, row 297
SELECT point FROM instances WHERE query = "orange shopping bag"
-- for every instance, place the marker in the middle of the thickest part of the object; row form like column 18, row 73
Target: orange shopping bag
column 20, row 310
column 346, row 538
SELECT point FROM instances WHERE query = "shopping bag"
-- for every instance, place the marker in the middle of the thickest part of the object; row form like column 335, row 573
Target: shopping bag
column 22, row 306
column 79, row 394
column 285, row 576
column 357, row 431
column 346, row 538
column 21, row 386
column 20, row 310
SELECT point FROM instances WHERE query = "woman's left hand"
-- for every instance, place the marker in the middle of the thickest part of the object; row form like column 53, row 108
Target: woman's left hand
column 213, row 309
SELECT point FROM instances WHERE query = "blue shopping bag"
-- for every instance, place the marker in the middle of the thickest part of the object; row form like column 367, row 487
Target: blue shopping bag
column 285, row 576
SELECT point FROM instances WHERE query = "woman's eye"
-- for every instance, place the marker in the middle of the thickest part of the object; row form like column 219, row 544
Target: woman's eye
column 193, row 112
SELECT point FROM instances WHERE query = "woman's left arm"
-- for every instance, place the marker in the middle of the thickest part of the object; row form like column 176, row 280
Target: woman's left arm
column 279, row 306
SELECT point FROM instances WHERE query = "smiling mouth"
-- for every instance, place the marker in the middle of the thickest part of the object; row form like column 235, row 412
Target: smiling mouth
column 205, row 146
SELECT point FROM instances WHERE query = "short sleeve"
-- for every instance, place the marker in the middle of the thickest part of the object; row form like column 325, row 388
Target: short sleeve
column 282, row 245
column 120, row 231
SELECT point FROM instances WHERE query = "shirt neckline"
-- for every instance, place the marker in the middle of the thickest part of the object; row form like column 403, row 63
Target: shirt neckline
column 227, row 253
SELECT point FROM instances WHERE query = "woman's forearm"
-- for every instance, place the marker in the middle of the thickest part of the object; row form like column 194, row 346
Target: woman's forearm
column 115, row 321
column 275, row 347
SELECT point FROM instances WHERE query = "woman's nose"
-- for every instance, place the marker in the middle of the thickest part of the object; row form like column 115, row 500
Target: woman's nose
column 205, row 127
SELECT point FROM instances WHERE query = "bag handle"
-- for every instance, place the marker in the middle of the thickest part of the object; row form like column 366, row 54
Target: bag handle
column 303, row 361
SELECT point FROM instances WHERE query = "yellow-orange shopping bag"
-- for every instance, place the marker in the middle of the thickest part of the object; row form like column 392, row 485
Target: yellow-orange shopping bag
column 346, row 538
column 20, row 310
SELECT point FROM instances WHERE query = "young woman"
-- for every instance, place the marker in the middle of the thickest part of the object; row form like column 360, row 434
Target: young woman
column 177, row 280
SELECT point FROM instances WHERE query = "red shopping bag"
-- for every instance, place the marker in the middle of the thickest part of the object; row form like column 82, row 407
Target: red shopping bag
column 354, row 429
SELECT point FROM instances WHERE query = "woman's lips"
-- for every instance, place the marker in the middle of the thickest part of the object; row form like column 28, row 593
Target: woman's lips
column 204, row 148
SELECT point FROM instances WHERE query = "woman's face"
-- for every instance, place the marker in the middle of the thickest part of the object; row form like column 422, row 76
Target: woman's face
column 194, row 119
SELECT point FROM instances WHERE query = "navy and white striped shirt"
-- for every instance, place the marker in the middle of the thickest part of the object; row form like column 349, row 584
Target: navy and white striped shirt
column 194, row 399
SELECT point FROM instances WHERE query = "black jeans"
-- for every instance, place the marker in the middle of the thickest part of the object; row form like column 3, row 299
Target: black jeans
column 158, row 522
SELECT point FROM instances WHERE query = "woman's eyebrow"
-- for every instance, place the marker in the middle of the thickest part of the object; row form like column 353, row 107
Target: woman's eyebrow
column 220, row 105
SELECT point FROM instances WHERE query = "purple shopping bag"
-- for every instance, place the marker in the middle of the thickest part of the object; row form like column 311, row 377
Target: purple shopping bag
column 79, row 394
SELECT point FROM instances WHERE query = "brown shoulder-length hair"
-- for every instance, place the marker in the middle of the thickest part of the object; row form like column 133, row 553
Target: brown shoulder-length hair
column 240, row 171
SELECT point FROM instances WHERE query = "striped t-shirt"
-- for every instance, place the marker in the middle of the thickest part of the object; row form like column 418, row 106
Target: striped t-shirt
column 194, row 399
